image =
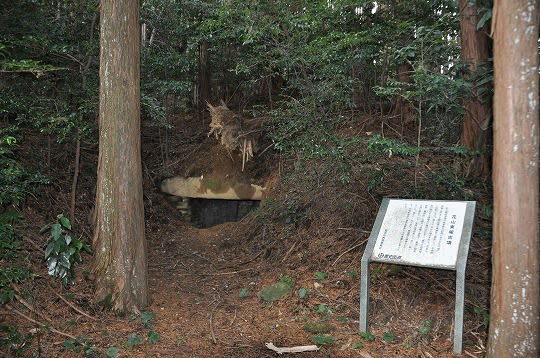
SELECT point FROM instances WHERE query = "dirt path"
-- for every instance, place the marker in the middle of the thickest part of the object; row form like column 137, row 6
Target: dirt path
column 196, row 276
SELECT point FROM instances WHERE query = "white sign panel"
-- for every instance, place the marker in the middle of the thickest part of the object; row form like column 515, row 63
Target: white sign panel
column 418, row 232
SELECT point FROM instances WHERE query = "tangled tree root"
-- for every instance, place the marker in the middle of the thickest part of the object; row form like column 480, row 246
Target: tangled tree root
column 234, row 132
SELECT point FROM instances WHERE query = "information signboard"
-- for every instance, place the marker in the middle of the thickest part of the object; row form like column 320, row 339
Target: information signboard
column 420, row 232
column 426, row 233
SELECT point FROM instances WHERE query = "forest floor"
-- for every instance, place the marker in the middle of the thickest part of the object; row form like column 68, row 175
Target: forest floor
column 310, row 233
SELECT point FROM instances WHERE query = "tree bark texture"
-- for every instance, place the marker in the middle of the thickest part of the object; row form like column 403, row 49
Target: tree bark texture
column 515, row 319
column 120, row 266
column 401, row 107
column 474, row 51
column 204, row 76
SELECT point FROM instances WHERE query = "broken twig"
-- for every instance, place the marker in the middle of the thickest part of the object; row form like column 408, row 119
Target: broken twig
column 297, row 349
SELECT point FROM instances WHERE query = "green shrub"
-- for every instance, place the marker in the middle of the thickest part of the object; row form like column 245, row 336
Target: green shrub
column 63, row 250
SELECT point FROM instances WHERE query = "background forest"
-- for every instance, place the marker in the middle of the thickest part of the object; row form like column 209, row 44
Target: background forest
column 356, row 96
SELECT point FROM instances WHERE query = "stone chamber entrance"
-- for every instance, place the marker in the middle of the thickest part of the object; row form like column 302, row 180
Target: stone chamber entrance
column 207, row 202
column 210, row 212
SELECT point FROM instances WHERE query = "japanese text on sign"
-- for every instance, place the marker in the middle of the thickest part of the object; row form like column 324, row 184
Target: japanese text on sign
column 421, row 232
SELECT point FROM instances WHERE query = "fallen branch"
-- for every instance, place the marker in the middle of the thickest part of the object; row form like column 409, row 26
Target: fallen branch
column 297, row 349
column 349, row 250
column 224, row 273
column 469, row 354
column 31, row 308
column 26, row 304
column 75, row 308
column 212, row 314
column 33, row 243
column 50, row 328
column 215, row 274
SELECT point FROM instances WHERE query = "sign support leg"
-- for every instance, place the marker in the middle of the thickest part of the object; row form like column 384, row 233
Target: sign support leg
column 364, row 293
column 460, row 302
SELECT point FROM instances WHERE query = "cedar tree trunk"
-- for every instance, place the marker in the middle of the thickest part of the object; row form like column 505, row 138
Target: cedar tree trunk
column 474, row 51
column 514, row 321
column 120, row 266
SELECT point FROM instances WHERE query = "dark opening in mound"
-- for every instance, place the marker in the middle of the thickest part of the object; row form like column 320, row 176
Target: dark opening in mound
column 210, row 212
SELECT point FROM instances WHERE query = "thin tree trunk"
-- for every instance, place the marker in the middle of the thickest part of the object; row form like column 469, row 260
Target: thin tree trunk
column 84, row 74
column 474, row 51
column 204, row 76
column 73, row 202
column 515, row 320
column 401, row 108
column 120, row 266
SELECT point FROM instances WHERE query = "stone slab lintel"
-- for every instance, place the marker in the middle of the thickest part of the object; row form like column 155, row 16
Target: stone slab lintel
column 211, row 188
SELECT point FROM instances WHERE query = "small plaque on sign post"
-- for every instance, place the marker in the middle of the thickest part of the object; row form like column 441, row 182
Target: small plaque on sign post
column 426, row 233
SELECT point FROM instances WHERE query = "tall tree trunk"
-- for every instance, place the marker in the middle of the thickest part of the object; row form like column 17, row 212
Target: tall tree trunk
column 204, row 76
column 401, row 107
column 474, row 51
column 515, row 321
column 120, row 265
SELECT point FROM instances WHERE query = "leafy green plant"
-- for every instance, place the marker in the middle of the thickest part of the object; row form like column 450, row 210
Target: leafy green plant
column 377, row 179
column 408, row 343
column 303, row 292
column 9, row 274
column 289, row 212
column 151, row 108
column 287, row 280
column 458, row 150
column 13, row 341
column 112, row 352
column 16, row 181
column 323, row 340
column 450, row 183
column 389, row 146
column 319, row 275
column 147, row 318
column 31, row 66
column 426, row 327
column 388, row 337
column 9, row 234
column 484, row 315
column 368, row 336
column 63, row 250
column 376, row 272
column 487, row 210
column 293, row 213
column 357, row 345
column 152, row 337
column 322, row 309
column 81, row 344
column 243, row 293
column 133, row 340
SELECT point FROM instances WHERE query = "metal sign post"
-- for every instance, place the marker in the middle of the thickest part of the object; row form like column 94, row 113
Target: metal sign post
column 424, row 233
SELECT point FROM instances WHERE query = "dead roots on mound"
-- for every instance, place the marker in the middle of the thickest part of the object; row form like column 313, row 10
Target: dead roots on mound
column 234, row 132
